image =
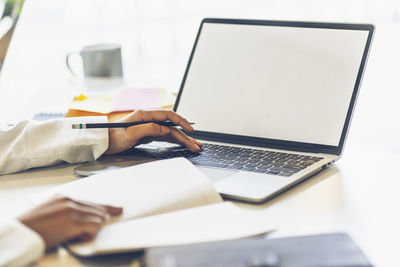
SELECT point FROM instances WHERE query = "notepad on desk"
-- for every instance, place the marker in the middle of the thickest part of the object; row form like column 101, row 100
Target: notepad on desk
column 168, row 202
column 124, row 99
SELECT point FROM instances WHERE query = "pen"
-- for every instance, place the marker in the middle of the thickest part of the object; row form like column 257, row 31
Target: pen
column 120, row 124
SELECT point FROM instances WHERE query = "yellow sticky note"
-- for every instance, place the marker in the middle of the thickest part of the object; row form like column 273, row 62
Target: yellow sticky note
column 81, row 97
column 92, row 103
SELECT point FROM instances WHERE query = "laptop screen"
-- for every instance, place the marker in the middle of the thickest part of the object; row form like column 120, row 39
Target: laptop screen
column 273, row 82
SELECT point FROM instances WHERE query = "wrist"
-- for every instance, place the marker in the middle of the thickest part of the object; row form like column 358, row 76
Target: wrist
column 117, row 141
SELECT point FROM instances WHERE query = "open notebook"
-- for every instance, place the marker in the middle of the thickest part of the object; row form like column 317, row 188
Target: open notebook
column 167, row 202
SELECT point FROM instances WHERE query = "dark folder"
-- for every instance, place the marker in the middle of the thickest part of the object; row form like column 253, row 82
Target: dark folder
column 333, row 250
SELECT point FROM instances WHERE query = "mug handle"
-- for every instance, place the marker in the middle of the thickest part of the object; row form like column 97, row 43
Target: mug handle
column 67, row 62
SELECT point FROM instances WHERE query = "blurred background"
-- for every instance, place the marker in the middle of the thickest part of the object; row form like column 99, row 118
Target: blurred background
column 157, row 37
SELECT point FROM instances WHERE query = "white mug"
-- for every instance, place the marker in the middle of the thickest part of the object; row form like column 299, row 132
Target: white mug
column 99, row 61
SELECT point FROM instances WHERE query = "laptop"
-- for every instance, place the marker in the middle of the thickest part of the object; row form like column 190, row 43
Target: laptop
column 272, row 101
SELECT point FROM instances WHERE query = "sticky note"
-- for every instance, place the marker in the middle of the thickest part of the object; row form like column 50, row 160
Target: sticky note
column 128, row 99
column 81, row 97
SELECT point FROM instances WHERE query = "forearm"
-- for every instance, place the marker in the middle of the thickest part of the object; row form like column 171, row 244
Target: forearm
column 35, row 144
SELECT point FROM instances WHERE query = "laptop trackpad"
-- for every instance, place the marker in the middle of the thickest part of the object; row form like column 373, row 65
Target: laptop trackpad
column 251, row 186
column 216, row 175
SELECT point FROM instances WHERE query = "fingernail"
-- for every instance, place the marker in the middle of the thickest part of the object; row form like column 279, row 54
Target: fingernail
column 165, row 130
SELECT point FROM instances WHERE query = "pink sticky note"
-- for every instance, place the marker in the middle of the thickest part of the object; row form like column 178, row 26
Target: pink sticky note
column 131, row 99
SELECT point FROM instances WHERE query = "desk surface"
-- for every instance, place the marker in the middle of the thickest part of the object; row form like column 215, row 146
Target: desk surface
column 359, row 195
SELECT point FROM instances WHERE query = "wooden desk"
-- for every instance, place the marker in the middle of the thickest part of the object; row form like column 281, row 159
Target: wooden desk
column 358, row 195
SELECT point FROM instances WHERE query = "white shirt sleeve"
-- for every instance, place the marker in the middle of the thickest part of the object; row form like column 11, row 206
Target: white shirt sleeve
column 35, row 144
column 19, row 245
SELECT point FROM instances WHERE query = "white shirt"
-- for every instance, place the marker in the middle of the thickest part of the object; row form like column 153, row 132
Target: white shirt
column 19, row 245
column 35, row 144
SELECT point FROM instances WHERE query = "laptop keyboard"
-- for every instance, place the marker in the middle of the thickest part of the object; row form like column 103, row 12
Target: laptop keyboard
column 236, row 158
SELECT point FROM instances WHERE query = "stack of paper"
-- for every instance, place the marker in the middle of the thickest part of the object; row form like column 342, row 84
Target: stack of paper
column 168, row 202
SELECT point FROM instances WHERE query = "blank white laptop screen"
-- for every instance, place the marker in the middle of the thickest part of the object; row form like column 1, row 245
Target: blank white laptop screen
column 284, row 83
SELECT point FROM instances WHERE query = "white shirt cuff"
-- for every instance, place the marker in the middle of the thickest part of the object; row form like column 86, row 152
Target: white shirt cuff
column 19, row 245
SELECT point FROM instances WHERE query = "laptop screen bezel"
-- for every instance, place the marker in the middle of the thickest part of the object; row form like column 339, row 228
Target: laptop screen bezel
column 274, row 143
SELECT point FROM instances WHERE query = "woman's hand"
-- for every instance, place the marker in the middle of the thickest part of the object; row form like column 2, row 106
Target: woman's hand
column 121, row 139
column 63, row 219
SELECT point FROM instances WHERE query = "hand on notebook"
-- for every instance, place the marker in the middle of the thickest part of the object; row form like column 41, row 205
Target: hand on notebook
column 63, row 219
column 122, row 139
